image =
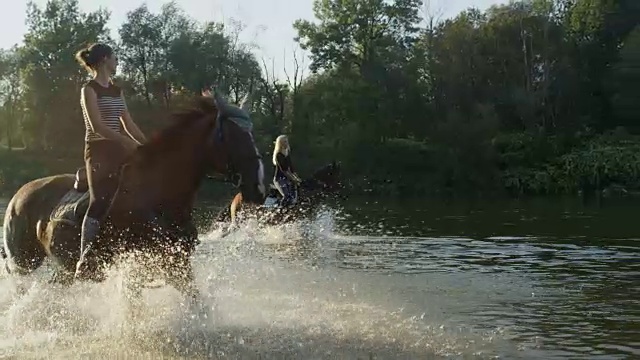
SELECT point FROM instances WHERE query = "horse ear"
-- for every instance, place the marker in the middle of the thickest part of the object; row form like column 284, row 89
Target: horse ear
column 207, row 103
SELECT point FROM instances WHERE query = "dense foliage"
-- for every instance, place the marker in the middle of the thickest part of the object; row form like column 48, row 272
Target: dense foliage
column 535, row 96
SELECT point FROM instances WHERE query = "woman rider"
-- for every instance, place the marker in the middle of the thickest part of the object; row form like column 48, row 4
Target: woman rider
column 284, row 177
column 110, row 136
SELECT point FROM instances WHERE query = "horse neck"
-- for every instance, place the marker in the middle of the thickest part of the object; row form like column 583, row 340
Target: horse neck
column 169, row 184
column 308, row 184
column 181, row 180
column 312, row 183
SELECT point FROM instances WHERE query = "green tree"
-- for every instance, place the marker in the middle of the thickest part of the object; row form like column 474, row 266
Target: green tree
column 51, row 76
column 367, row 42
column 625, row 79
column 146, row 42
column 520, row 96
column 10, row 95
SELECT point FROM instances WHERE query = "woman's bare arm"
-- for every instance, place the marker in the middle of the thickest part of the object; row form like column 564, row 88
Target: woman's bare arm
column 287, row 173
column 129, row 126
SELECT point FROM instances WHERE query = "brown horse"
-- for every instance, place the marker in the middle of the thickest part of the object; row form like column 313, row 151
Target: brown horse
column 157, row 190
column 324, row 182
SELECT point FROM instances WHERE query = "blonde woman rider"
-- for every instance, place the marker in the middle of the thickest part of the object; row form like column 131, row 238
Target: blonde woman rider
column 284, row 177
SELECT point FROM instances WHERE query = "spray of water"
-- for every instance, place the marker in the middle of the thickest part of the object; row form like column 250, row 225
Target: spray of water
column 276, row 293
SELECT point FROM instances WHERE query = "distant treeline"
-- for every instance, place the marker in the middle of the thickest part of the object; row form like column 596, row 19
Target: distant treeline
column 534, row 97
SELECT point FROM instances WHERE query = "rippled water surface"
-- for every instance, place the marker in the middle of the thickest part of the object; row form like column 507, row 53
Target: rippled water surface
column 540, row 279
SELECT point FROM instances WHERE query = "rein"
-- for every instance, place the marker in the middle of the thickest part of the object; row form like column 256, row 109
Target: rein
column 232, row 176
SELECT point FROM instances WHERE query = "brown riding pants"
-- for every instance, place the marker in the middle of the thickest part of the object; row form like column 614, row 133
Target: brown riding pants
column 103, row 160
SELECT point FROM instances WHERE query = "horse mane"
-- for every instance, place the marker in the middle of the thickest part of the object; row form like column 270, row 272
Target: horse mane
column 182, row 121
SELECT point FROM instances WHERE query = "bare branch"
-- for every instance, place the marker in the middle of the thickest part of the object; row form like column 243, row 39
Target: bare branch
column 296, row 71
column 432, row 15
column 299, row 71
column 274, row 80
column 267, row 90
column 266, row 79
column 303, row 65
column 284, row 68
column 296, row 80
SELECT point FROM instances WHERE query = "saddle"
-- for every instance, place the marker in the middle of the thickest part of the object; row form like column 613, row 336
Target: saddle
column 74, row 203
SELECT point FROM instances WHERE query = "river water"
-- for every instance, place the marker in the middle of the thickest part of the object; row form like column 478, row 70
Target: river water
column 539, row 279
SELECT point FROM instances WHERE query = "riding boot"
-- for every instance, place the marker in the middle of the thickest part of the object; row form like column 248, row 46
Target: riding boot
column 285, row 194
column 287, row 200
column 90, row 228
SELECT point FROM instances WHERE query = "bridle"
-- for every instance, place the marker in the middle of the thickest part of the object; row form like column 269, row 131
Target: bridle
column 232, row 175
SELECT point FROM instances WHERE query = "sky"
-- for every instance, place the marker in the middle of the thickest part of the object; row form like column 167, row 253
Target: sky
column 268, row 23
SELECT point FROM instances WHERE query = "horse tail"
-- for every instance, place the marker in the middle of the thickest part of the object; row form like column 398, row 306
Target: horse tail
column 6, row 232
column 13, row 227
column 3, row 254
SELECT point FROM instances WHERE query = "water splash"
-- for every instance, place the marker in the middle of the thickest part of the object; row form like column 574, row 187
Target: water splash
column 275, row 295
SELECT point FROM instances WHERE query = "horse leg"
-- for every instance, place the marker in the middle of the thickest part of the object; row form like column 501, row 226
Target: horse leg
column 65, row 250
column 232, row 219
column 61, row 277
column 23, row 253
column 228, row 229
column 133, row 294
column 181, row 276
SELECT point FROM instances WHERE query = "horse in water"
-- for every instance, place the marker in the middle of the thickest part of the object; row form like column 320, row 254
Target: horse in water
column 324, row 182
column 151, row 211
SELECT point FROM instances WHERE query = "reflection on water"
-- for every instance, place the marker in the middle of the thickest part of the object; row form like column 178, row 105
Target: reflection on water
column 536, row 280
column 582, row 299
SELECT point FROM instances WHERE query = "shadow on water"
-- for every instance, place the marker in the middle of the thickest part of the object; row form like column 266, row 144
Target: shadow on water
column 535, row 279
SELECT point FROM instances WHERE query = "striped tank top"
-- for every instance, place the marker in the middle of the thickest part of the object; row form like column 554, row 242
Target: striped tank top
column 111, row 108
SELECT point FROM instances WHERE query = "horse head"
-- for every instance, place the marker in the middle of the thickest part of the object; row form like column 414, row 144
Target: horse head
column 198, row 142
column 234, row 144
column 328, row 177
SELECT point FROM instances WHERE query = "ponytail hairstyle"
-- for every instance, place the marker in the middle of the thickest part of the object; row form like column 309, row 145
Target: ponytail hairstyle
column 93, row 55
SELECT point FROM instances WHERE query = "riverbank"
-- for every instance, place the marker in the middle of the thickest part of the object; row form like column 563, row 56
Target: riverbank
column 19, row 167
column 510, row 165
column 506, row 165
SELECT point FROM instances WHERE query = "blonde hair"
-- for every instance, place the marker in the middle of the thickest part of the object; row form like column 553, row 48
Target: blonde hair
column 278, row 148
